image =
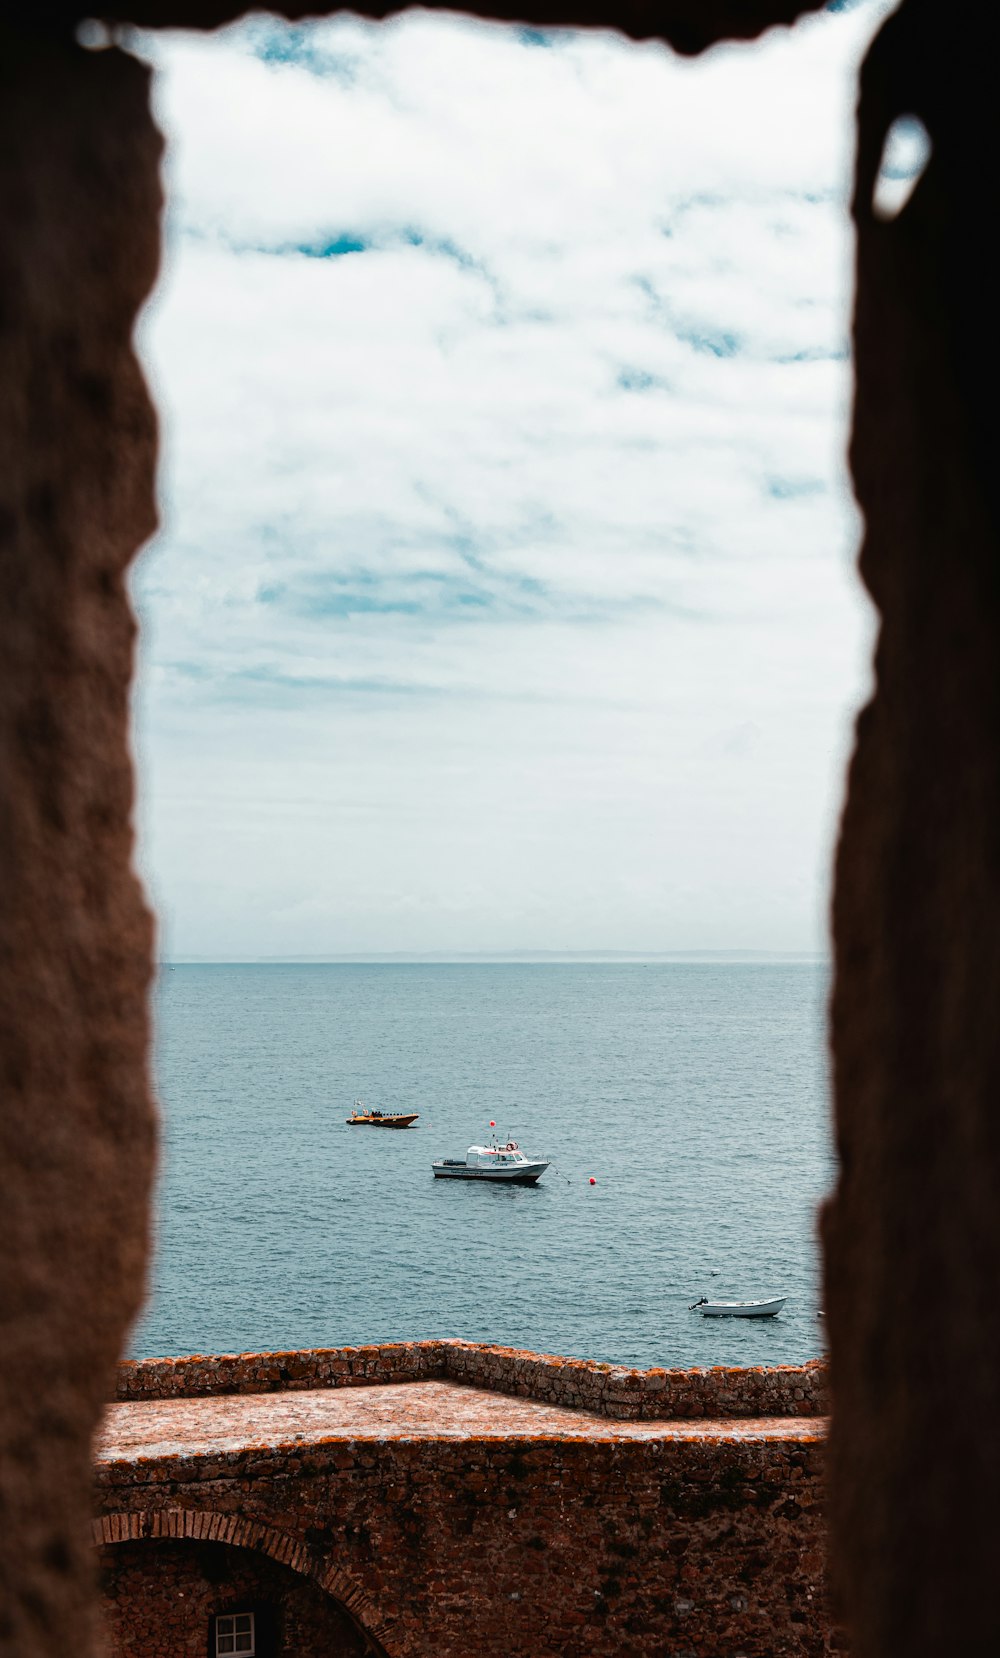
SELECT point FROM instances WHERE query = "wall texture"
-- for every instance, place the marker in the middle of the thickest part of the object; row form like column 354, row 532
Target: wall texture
column 160, row 1600
column 611, row 1390
column 79, row 211
column 912, row 1238
column 517, row 1546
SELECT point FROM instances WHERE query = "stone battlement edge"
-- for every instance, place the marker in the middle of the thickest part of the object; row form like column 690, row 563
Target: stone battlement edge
column 614, row 1391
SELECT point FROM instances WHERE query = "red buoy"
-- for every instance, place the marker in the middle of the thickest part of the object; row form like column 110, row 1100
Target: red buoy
column 493, row 1125
column 593, row 1182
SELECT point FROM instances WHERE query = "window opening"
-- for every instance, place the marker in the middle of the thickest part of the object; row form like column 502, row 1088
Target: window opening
column 503, row 607
column 235, row 1635
column 905, row 156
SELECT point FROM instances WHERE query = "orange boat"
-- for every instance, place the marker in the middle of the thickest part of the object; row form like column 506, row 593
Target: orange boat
column 381, row 1119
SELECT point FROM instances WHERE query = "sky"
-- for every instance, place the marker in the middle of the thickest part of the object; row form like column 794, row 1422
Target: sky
column 504, row 597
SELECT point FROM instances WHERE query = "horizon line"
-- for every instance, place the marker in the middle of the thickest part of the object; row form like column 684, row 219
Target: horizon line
column 460, row 957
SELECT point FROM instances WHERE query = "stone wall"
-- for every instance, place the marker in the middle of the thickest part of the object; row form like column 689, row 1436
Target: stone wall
column 79, row 247
column 160, row 1601
column 614, row 1391
column 636, row 1548
column 912, row 1235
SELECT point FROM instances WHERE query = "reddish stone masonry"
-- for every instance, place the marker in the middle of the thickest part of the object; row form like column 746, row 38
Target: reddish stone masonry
column 161, row 1598
column 567, row 1508
column 613, row 1391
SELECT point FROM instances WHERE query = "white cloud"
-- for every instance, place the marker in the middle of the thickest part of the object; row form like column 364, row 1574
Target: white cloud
column 487, row 543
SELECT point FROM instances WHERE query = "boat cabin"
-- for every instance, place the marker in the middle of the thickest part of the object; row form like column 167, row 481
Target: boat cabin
column 489, row 1157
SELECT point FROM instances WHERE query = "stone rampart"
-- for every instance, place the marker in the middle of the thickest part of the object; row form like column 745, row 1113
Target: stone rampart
column 614, row 1391
column 515, row 1538
column 431, row 1489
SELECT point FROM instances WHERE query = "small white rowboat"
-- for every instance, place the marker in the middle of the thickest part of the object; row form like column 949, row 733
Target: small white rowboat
column 739, row 1309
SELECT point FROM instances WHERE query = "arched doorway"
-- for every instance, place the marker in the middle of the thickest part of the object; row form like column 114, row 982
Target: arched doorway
column 185, row 1598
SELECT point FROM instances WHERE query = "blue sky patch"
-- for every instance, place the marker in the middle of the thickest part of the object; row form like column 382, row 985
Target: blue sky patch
column 639, row 379
column 299, row 46
column 817, row 354
column 713, row 342
column 792, row 489
column 335, row 248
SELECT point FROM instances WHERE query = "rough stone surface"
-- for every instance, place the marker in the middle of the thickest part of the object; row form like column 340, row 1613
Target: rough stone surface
column 912, row 1239
column 581, row 1384
column 160, row 1600
column 411, row 1410
column 432, row 1510
column 79, row 209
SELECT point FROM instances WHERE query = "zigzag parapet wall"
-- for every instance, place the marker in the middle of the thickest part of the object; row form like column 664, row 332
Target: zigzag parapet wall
column 662, row 1513
column 614, row 1391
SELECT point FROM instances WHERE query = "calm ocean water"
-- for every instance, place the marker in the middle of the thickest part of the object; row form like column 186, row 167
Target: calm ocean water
column 694, row 1094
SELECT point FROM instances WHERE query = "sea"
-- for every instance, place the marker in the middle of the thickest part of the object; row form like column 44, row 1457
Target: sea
column 683, row 1105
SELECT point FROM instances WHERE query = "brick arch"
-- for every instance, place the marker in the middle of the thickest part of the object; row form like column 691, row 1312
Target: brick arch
column 197, row 1525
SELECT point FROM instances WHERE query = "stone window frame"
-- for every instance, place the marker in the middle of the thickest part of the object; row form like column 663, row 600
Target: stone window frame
column 911, row 1234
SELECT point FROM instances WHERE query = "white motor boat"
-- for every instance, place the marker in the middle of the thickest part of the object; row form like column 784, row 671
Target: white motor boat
column 506, row 1163
column 738, row 1309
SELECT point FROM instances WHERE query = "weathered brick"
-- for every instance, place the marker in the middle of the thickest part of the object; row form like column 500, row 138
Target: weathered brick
column 432, row 1509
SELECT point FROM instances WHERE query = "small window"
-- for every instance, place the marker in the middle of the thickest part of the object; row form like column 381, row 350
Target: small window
column 234, row 1634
